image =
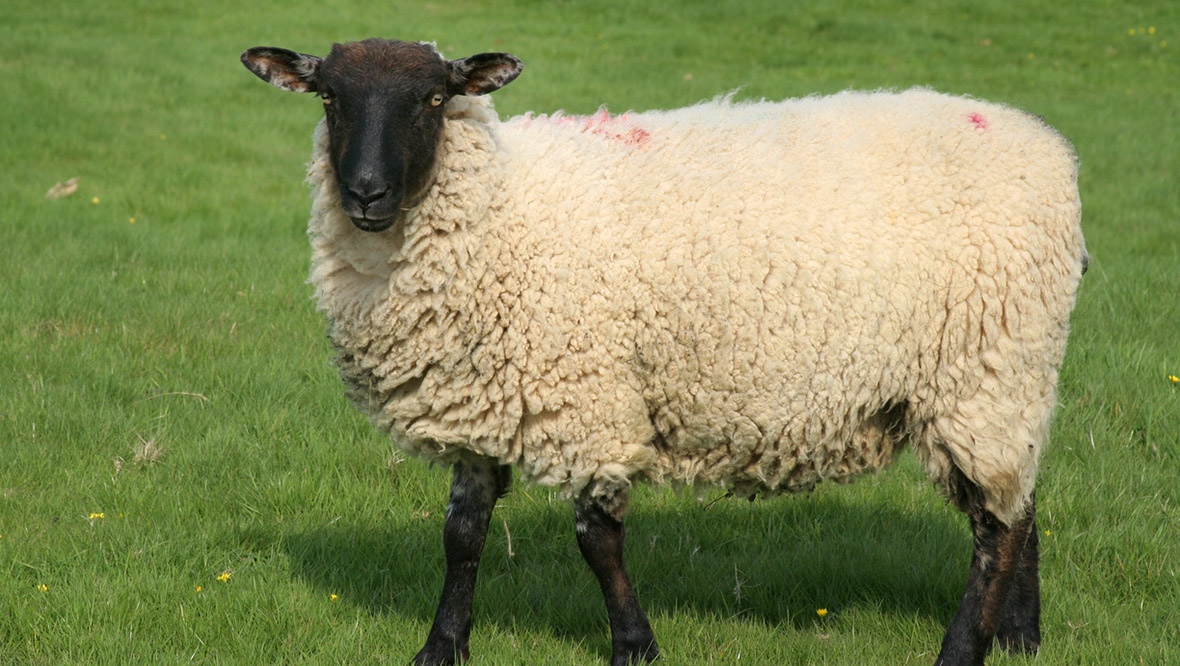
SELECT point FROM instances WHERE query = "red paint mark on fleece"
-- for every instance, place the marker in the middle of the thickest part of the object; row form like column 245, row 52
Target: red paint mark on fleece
column 979, row 121
column 603, row 124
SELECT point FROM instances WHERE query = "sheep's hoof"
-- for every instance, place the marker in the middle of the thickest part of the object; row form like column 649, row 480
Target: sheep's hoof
column 441, row 653
column 1019, row 643
column 635, row 655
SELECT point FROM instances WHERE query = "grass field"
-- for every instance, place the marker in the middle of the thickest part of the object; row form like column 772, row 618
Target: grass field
column 181, row 479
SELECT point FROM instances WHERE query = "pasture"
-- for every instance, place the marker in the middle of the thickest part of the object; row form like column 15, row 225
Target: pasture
column 182, row 480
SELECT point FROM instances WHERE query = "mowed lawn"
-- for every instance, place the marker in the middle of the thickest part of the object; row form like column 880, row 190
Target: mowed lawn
column 182, row 480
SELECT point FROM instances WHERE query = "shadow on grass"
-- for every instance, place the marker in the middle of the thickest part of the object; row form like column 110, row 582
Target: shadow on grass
column 774, row 562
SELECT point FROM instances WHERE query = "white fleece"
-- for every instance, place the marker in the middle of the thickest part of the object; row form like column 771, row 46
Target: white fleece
column 759, row 296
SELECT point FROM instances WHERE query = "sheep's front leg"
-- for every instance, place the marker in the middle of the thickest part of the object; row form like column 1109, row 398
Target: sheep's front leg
column 1001, row 595
column 477, row 484
column 600, row 538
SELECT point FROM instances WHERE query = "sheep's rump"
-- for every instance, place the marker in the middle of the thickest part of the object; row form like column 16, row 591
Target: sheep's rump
column 759, row 296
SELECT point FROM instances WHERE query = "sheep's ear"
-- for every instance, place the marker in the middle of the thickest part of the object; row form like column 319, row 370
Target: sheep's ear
column 287, row 70
column 483, row 73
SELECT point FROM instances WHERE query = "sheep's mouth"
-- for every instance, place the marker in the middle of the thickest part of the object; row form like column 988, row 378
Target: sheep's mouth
column 372, row 224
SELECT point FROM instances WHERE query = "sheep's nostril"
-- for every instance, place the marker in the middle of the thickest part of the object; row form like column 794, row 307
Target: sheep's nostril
column 365, row 195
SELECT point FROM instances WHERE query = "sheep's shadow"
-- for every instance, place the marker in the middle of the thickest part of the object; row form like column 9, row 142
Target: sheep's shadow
column 777, row 561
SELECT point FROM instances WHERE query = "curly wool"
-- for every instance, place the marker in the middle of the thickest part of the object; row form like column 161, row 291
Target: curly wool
column 758, row 296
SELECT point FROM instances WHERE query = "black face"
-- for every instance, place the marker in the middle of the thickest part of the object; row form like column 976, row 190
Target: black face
column 384, row 103
column 384, row 106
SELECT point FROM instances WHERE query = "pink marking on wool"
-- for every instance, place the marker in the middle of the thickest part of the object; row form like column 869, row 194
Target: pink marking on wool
column 636, row 137
column 978, row 120
column 603, row 124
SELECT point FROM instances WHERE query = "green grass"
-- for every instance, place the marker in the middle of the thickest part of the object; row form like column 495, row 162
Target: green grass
column 192, row 329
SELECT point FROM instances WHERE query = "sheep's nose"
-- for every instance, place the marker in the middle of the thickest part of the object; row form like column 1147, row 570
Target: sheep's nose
column 366, row 193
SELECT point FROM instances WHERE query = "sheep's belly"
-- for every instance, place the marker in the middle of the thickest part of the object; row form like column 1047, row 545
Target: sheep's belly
column 760, row 460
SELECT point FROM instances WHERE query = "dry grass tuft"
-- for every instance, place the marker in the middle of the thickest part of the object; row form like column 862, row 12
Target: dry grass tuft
column 146, row 451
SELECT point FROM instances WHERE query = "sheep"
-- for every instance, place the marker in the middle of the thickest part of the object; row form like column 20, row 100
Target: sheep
column 758, row 296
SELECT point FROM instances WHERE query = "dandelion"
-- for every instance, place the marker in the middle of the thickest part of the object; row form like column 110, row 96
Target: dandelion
column 132, row 220
column 822, row 612
column 1151, row 30
column 1131, row 32
column 1048, row 532
column 224, row 576
column 94, row 200
column 198, row 588
column 1174, row 379
column 163, row 136
column 42, row 588
column 333, row 597
column 97, row 516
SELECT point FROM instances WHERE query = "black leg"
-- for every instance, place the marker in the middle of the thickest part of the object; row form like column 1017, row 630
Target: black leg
column 600, row 538
column 476, row 485
column 1020, row 623
column 997, row 568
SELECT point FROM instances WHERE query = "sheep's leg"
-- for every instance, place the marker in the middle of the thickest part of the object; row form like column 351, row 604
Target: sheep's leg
column 1020, row 623
column 997, row 587
column 600, row 538
column 475, row 487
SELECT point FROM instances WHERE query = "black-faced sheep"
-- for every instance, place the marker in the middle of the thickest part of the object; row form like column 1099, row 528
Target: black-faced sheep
column 758, row 296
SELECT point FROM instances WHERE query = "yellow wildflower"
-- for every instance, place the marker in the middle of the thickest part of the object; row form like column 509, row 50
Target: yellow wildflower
column 1151, row 30
column 132, row 220
column 1174, row 379
column 821, row 612
column 224, row 576
column 97, row 516
column 94, row 200
column 333, row 597
column 198, row 588
column 1047, row 532
column 43, row 587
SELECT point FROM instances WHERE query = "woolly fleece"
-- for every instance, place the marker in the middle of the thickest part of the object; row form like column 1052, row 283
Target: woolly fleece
column 758, row 296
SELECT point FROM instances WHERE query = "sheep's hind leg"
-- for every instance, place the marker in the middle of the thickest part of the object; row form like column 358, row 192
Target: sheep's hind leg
column 475, row 487
column 1020, row 622
column 998, row 599
column 600, row 538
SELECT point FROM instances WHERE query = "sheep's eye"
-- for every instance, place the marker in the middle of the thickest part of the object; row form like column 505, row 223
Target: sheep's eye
column 327, row 98
column 436, row 100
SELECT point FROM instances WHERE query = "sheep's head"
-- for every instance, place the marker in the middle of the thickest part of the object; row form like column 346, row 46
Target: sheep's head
column 384, row 105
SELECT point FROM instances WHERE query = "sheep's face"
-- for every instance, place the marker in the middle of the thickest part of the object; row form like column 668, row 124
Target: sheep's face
column 384, row 102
